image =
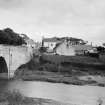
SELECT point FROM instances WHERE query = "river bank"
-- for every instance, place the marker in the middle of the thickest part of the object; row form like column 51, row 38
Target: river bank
column 95, row 80
column 78, row 70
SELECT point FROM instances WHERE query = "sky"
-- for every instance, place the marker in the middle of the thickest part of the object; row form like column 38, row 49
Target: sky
column 49, row 18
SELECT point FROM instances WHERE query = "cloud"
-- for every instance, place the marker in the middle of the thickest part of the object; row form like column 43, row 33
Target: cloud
column 83, row 18
column 57, row 11
column 70, row 11
column 10, row 4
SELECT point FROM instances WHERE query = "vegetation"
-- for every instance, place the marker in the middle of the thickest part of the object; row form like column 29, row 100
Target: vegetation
column 75, row 61
column 59, row 59
column 100, row 101
column 59, row 70
column 101, row 49
column 103, row 44
column 16, row 98
column 43, row 49
column 8, row 36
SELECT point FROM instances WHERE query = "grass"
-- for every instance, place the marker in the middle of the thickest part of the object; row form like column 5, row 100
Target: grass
column 55, row 78
column 61, row 69
column 77, row 59
column 15, row 98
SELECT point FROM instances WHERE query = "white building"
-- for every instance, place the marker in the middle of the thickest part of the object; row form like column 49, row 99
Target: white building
column 50, row 43
column 71, row 50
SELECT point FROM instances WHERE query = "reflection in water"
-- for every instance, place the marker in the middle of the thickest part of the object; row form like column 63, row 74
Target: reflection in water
column 3, row 84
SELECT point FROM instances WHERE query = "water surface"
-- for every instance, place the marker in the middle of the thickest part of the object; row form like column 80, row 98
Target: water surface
column 80, row 95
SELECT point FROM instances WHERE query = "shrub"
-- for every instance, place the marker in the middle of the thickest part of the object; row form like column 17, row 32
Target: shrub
column 31, row 65
column 42, row 49
column 14, row 98
column 51, row 67
column 65, row 69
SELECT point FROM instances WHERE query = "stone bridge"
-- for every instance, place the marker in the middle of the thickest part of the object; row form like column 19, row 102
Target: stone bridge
column 13, row 57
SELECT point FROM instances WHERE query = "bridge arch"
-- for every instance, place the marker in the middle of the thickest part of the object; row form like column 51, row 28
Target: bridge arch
column 3, row 65
column 12, row 57
column 3, row 68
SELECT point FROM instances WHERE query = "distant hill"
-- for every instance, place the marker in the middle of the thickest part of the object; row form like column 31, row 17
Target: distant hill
column 9, row 37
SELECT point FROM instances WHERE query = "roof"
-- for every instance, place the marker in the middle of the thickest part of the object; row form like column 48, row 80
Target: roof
column 82, row 47
column 54, row 39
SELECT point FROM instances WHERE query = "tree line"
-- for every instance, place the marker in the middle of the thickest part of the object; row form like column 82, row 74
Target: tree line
column 8, row 36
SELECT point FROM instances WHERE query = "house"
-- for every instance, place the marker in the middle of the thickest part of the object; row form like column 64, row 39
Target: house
column 68, row 49
column 50, row 43
column 64, row 49
column 75, row 41
column 66, row 45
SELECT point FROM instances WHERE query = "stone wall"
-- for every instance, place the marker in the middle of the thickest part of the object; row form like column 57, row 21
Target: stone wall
column 15, row 56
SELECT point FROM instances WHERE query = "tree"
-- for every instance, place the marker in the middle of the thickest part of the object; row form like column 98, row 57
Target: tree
column 8, row 36
column 103, row 44
column 42, row 49
column 100, row 49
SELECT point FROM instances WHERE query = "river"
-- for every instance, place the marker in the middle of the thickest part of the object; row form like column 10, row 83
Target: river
column 80, row 95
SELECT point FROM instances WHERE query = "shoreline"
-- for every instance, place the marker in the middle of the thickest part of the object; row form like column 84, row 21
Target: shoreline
column 51, row 77
column 63, row 69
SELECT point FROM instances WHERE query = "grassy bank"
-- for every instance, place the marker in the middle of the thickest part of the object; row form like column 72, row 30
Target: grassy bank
column 61, row 69
column 16, row 98
column 75, row 61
